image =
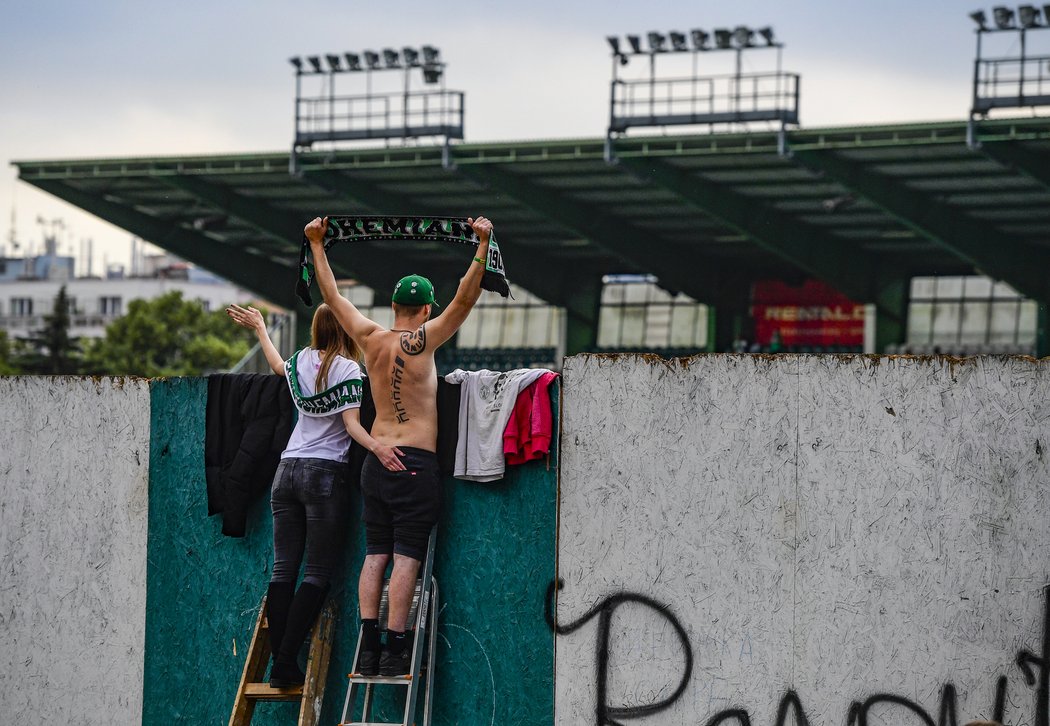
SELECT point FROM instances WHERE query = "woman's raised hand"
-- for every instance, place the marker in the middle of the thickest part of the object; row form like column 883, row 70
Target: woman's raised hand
column 247, row 317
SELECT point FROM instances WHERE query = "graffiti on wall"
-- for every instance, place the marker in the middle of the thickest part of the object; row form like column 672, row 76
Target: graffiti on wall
column 1035, row 671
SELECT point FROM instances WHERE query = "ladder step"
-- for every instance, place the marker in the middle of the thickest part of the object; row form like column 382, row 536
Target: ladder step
column 372, row 723
column 264, row 692
column 390, row 680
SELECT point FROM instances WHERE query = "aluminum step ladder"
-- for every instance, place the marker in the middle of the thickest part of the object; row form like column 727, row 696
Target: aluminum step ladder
column 422, row 616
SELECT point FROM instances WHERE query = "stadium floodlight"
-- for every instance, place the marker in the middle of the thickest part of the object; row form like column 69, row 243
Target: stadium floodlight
column 353, row 61
column 678, row 40
column 372, row 59
column 723, row 38
column 636, row 43
column 700, row 39
column 980, row 18
column 1029, row 16
column 657, row 41
column 335, row 63
column 744, row 36
column 1004, row 17
column 391, row 58
column 298, row 63
column 431, row 72
column 316, row 63
column 430, row 54
column 614, row 43
column 767, row 35
column 411, row 56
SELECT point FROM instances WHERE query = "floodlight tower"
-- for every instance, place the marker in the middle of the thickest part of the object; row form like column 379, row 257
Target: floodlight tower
column 737, row 98
column 326, row 117
column 1017, row 81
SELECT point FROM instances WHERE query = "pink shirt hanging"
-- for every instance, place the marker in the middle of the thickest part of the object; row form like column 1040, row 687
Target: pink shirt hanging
column 528, row 433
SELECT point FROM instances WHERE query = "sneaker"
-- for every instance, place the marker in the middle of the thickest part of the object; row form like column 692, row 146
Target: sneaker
column 368, row 663
column 394, row 665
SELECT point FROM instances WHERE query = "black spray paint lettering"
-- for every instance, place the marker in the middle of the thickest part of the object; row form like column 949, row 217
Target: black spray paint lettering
column 605, row 713
column 1035, row 669
column 395, row 389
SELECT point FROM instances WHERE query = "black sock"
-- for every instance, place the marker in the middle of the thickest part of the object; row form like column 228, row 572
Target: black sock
column 396, row 642
column 370, row 634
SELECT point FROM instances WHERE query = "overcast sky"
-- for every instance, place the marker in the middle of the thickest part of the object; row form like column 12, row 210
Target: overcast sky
column 120, row 78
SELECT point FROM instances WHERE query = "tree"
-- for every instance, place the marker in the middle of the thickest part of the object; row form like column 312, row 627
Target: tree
column 50, row 350
column 7, row 363
column 168, row 336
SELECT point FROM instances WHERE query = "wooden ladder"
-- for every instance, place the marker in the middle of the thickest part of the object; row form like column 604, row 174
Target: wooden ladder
column 253, row 688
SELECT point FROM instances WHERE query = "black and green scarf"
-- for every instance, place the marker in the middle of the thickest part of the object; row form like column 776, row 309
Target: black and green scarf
column 334, row 399
column 439, row 229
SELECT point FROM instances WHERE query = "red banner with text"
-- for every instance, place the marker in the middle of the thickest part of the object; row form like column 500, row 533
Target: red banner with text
column 811, row 315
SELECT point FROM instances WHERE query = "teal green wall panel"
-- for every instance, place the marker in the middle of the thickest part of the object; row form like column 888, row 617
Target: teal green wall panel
column 496, row 555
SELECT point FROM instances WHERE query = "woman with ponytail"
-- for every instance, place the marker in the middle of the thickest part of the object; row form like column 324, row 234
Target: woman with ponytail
column 310, row 496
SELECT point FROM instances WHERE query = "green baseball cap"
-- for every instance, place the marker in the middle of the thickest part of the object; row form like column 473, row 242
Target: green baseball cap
column 414, row 290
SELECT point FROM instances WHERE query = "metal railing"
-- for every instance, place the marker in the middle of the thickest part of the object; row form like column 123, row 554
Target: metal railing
column 1011, row 83
column 379, row 116
column 705, row 100
column 282, row 333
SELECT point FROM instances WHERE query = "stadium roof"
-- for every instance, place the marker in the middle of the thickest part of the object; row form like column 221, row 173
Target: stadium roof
column 861, row 208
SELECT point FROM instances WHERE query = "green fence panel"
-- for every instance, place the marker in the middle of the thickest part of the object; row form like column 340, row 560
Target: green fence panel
column 496, row 556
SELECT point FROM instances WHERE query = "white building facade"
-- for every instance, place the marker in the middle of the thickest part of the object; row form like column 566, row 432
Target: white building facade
column 96, row 302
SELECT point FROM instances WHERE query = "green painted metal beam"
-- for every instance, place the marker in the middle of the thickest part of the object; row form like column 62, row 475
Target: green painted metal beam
column 266, row 277
column 891, row 316
column 1033, row 163
column 549, row 282
column 809, row 248
column 1042, row 331
column 989, row 250
column 581, row 331
column 365, row 264
column 283, row 226
column 691, row 272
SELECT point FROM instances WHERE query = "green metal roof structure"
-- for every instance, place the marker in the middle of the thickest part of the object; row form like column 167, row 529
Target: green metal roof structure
column 863, row 209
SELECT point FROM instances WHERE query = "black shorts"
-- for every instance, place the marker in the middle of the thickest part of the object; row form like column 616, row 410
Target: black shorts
column 401, row 507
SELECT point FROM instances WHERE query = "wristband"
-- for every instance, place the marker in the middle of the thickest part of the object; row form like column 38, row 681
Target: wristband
column 478, row 259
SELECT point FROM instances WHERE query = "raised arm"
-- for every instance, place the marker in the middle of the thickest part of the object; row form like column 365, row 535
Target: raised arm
column 252, row 319
column 352, row 320
column 445, row 325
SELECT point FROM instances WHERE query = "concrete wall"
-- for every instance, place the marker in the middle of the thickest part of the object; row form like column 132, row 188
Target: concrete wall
column 74, row 458
column 865, row 539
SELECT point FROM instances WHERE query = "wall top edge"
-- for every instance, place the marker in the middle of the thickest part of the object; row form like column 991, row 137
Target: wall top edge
column 827, row 359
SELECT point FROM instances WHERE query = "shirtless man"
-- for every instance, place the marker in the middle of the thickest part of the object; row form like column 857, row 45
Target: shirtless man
column 400, row 482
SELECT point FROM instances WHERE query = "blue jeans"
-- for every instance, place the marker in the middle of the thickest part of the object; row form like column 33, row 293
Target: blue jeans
column 310, row 503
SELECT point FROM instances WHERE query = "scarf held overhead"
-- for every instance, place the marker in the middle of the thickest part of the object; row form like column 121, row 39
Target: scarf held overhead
column 437, row 229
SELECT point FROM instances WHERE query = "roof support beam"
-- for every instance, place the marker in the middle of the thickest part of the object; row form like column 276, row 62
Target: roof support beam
column 581, row 332
column 1033, row 163
column 262, row 275
column 980, row 243
column 808, row 247
column 694, row 274
column 285, row 226
column 536, row 275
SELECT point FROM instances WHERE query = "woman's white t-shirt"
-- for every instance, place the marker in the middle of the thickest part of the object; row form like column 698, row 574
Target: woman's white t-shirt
column 321, row 437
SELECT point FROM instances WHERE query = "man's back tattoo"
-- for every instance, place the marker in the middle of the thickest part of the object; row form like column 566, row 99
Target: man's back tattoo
column 396, row 377
column 414, row 343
